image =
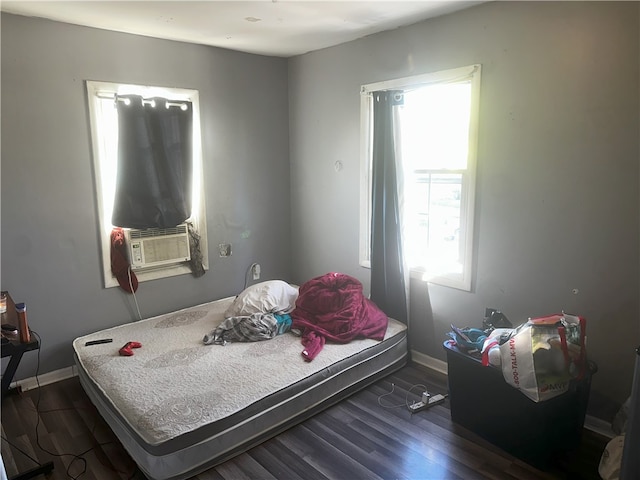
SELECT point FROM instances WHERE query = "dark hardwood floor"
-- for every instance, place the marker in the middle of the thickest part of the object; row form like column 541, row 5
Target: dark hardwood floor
column 371, row 435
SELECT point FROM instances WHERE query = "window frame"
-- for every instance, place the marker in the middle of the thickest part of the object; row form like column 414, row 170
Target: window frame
column 97, row 91
column 467, row 206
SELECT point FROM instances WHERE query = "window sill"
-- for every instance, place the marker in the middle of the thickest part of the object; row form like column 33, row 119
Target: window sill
column 421, row 276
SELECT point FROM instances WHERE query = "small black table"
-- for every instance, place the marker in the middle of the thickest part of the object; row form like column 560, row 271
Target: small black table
column 12, row 347
column 15, row 350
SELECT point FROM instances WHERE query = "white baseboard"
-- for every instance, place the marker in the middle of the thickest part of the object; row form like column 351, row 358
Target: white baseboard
column 44, row 379
column 429, row 362
column 591, row 423
column 599, row 426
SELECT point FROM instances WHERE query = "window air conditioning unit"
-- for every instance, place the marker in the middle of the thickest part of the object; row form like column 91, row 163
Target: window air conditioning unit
column 156, row 247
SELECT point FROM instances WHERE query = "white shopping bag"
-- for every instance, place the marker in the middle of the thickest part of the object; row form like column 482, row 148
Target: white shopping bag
column 611, row 460
column 544, row 354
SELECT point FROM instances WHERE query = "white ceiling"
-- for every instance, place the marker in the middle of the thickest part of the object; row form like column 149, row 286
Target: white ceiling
column 281, row 28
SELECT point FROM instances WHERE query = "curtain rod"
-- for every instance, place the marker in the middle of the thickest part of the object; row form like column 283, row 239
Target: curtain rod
column 115, row 97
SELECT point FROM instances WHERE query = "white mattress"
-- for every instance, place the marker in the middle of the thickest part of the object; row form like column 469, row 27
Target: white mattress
column 166, row 397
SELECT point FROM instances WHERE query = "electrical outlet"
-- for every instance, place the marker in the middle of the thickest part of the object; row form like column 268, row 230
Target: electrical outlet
column 224, row 249
column 255, row 270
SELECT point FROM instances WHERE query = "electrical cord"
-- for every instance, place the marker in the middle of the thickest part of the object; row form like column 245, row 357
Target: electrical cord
column 133, row 292
column 75, row 457
column 246, row 275
column 406, row 404
column 20, row 450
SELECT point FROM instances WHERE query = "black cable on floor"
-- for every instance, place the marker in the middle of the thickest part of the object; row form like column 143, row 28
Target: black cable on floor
column 59, row 455
column 20, row 450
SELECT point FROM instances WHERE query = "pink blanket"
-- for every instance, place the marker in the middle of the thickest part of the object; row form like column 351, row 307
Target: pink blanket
column 333, row 307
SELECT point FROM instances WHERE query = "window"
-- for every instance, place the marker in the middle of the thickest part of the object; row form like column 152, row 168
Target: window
column 104, row 132
column 436, row 143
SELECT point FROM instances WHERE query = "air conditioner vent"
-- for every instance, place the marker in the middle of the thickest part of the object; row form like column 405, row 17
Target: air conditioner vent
column 156, row 247
column 158, row 232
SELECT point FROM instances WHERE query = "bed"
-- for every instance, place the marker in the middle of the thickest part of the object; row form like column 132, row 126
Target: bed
column 180, row 406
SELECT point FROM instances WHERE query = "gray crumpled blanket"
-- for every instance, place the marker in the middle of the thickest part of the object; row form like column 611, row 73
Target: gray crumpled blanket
column 252, row 328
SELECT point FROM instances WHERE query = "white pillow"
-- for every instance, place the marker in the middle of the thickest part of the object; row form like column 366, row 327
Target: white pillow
column 272, row 296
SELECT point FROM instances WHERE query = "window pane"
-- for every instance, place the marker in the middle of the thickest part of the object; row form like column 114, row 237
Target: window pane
column 107, row 127
column 433, row 221
column 435, row 126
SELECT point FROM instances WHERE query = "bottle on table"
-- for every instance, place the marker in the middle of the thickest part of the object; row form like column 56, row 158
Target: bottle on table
column 23, row 327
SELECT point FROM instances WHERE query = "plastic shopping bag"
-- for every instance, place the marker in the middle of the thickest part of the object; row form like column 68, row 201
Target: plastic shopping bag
column 544, row 354
column 611, row 460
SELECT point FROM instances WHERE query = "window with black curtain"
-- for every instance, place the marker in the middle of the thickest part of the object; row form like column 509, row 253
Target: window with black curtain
column 155, row 162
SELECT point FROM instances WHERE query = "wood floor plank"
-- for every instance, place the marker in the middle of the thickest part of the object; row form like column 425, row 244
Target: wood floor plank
column 403, row 439
column 380, row 461
column 300, row 468
column 6, row 453
column 324, row 457
column 415, row 454
column 277, row 465
column 369, row 436
column 211, row 474
column 417, row 430
column 244, row 467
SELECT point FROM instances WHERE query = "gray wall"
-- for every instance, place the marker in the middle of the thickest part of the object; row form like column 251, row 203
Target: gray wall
column 557, row 204
column 50, row 249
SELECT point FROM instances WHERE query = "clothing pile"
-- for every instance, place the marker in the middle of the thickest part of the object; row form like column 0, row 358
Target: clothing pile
column 251, row 328
column 332, row 307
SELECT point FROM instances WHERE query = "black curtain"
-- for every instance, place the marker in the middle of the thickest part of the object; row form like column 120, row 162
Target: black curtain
column 155, row 162
column 388, row 289
column 630, row 464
